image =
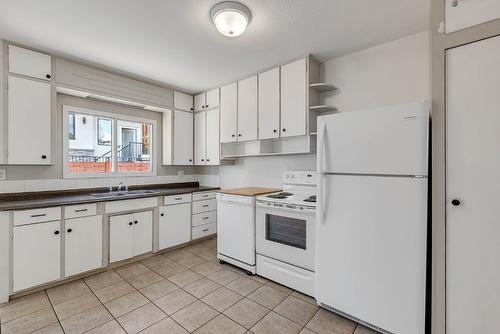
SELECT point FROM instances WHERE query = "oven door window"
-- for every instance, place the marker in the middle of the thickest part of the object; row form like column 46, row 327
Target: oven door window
column 286, row 230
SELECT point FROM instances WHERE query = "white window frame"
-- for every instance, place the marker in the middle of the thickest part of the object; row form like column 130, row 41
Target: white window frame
column 115, row 117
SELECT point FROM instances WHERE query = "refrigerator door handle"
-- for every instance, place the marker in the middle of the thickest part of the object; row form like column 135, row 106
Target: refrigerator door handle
column 321, row 145
column 321, row 173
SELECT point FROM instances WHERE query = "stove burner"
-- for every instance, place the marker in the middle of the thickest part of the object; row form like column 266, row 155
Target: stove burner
column 280, row 195
column 311, row 199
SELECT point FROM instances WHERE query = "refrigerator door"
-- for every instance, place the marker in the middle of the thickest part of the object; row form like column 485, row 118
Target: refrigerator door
column 390, row 140
column 371, row 250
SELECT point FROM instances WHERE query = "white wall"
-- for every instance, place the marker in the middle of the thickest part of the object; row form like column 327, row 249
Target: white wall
column 391, row 73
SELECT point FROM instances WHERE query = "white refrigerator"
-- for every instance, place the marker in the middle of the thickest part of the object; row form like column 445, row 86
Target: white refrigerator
column 372, row 216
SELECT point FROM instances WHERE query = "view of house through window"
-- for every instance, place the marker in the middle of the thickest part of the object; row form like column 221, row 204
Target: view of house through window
column 99, row 143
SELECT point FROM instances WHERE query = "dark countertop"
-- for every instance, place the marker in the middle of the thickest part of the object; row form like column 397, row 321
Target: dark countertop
column 35, row 200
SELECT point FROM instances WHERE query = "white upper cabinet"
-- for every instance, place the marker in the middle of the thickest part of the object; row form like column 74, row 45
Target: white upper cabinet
column 183, row 138
column 293, row 98
column 183, row 101
column 269, row 104
column 461, row 14
column 228, row 112
column 29, row 121
column 212, row 98
column 247, row 109
column 200, row 138
column 200, row 102
column 30, row 63
column 212, row 137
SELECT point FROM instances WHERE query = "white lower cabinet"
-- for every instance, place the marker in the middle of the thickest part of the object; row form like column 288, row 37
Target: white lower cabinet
column 130, row 235
column 36, row 254
column 204, row 220
column 83, row 245
column 175, row 225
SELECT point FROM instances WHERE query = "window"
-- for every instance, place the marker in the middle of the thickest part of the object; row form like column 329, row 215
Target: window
column 105, row 144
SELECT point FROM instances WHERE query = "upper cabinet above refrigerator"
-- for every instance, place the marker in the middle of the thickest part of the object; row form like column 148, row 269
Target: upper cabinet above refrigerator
column 461, row 14
column 30, row 63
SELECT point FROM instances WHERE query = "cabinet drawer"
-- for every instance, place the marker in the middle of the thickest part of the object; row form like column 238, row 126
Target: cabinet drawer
column 204, row 230
column 36, row 216
column 204, row 206
column 204, row 218
column 131, row 204
column 82, row 210
column 176, row 199
column 204, row 195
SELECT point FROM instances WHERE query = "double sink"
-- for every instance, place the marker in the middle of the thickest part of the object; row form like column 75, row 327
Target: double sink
column 123, row 193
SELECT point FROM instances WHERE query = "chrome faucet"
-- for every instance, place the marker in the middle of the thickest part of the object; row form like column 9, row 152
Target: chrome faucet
column 122, row 187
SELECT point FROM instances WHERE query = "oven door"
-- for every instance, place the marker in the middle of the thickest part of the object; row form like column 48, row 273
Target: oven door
column 286, row 234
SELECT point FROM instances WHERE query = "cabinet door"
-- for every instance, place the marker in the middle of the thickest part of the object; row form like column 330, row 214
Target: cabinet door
column 29, row 122
column 212, row 138
column 183, row 101
column 175, row 225
column 200, row 138
column 199, row 102
column 36, row 254
column 472, row 179
column 293, row 99
column 213, row 98
column 247, row 109
column 461, row 14
column 83, row 245
column 228, row 112
column 121, row 237
column 29, row 63
column 143, row 232
column 183, row 138
column 269, row 104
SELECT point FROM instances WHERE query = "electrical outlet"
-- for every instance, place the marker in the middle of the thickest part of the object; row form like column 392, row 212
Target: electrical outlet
column 180, row 173
column 3, row 174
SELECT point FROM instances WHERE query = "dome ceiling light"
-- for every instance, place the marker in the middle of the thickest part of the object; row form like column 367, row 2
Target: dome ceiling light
column 230, row 18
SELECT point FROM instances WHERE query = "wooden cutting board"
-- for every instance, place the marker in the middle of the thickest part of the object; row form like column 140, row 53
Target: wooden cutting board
column 249, row 191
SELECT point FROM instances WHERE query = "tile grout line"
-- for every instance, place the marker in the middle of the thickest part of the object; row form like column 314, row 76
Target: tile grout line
column 53, row 310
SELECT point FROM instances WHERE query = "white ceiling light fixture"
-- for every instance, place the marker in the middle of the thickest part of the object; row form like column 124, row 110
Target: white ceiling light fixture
column 231, row 18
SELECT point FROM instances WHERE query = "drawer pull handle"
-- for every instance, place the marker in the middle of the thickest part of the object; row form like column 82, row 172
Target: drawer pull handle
column 205, row 206
column 204, row 195
column 81, row 210
column 205, row 230
column 204, row 218
column 178, row 198
column 40, row 215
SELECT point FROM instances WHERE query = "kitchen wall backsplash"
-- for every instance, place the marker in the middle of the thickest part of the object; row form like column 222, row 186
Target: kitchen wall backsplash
column 60, row 184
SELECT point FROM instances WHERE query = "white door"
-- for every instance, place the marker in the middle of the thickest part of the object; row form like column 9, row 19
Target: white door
column 293, row 98
column 183, row 137
column 269, row 104
column 30, row 63
column 461, row 14
column 199, row 102
column 175, row 225
column 472, row 183
column 200, row 138
column 228, row 112
column 83, row 245
column 213, row 140
column 390, row 140
column 121, row 237
column 247, row 109
column 371, row 243
column 36, row 254
column 143, row 232
column 29, row 122
column 183, row 101
column 213, row 98
column 236, row 227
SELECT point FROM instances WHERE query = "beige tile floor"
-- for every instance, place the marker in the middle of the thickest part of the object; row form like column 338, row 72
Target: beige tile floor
column 181, row 291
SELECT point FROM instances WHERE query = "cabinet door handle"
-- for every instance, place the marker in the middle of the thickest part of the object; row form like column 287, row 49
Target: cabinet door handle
column 208, row 159
column 48, row 76
column 191, row 109
column 190, row 160
column 162, row 214
column 202, row 159
column 69, row 230
column 81, row 210
column 284, row 130
column 239, row 134
column 39, row 215
column 56, row 232
column 135, row 222
column 206, row 106
column 130, row 223
column 454, row 3
column 44, row 157
column 232, row 136
column 274, row 130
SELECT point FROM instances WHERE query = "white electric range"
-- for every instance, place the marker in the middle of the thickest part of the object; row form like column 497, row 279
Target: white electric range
column 285, row 232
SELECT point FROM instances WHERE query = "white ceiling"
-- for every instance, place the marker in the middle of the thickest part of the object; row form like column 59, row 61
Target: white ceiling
column 175, row 43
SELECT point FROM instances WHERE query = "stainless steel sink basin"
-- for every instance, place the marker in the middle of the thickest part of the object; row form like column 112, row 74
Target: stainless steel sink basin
column 122, row 193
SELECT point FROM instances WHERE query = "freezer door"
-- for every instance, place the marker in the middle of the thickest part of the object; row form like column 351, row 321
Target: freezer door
column 390, row 140
column 371, row 249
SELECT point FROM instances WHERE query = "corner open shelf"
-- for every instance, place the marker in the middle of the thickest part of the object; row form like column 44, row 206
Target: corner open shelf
column 322, row 87
column 323, row 108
